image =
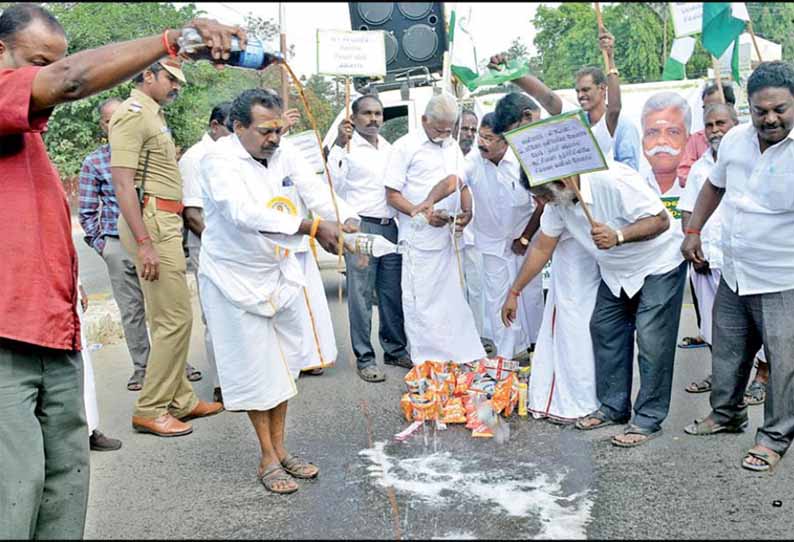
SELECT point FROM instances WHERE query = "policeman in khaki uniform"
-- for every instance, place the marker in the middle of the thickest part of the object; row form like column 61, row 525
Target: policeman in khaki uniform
column 149, row 191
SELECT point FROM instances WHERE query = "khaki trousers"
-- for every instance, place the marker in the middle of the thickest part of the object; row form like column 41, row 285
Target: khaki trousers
column 170, row 316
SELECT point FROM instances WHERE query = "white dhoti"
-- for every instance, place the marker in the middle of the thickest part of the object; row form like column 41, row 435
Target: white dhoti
column 318, row 330
column 562, row 382
column 253, row 352
column 471, row 260
column 499, row 274
column 89, row 385
column 439, row 324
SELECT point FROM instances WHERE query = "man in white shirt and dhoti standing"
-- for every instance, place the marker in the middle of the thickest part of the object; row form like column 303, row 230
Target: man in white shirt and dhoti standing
column 252, row 283
column 503, row 211
column 424, row 175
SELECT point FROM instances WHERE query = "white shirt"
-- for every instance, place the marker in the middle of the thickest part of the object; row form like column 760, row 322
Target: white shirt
column 757, row 212
column 712, row 231
column 618, row 197
column 358, row 175
column 242, row 198
column 503, row 205
column 414, row 167
column 669, row 198
column 190, row 171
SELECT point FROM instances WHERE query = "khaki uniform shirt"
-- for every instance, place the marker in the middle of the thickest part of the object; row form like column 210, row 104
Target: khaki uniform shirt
column 137, row 127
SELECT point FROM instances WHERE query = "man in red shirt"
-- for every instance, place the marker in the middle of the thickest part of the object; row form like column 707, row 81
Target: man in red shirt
column 43, row 444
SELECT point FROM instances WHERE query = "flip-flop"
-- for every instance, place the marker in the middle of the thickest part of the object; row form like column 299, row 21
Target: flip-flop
column 692, row 342
column 634, row 430
column 699, row 387
column 769, row 458
column 600, row 416
column 755, row 394
column 701, row 428
column 371, row 374
column 294, row 465
column 269, row 479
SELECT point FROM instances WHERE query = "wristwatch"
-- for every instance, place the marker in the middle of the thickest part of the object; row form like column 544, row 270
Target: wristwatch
column 620, row 237
column 524, row 241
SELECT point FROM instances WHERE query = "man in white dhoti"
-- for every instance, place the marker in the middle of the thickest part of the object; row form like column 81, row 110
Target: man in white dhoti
column 97, row 441
column 465, row 131
column 718, row 119
column 641, row 288
column 251, row 281
column 503, row 211
column 423, row 174
column 562, row 381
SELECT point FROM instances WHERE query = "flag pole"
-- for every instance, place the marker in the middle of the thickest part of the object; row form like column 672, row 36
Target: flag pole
column 347, row 106
column 717, row 77
column 282, row 22
column 752, row 36
column 601, row 29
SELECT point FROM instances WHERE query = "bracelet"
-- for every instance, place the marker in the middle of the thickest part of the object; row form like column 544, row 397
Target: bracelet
column 619, row 235
column 613, row 71
column 515, row 292
column 143, row 239
column 315, row 227
column 692, row 231
column 172, row 52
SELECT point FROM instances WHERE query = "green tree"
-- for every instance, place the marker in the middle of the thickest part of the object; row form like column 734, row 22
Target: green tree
column 773, row 21
column 567, row 39
column 73, row 128
column 517, row 49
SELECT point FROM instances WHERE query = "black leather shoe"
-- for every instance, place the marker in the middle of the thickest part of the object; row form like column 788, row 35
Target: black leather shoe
column 404, row 362
column 100, row 443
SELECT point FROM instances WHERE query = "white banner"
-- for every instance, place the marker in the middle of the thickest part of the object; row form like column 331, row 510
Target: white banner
column 687, row 18
column 351, row 53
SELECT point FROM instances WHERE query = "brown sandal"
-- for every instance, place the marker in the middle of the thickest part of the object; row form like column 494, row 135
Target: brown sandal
column 273, row 475
column 296, row 467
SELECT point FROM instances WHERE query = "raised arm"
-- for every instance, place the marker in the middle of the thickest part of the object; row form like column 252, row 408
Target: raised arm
column 94, row 70
column 607, row 43
column 533, row 86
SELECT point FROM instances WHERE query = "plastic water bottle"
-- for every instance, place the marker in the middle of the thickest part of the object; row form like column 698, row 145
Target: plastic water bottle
column 367, row 244
column 255, row 56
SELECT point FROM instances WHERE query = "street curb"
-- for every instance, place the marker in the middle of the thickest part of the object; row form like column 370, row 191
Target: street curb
column 102, row 321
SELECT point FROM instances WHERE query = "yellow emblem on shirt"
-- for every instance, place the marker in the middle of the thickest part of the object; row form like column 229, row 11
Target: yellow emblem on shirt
column 283, row 205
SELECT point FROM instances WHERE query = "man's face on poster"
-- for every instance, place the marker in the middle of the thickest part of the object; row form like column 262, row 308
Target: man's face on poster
column 664, row 138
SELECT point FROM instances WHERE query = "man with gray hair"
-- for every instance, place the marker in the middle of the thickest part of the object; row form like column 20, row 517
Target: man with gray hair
column 666, row 119
column 424, row 182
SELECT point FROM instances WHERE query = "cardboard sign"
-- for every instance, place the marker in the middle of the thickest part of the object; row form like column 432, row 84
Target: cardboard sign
column 306, row 144
column 687, row 18
column 354, row 53
column 556, row 147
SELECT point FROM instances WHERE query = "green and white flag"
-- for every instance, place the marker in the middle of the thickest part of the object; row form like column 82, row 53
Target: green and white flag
column 723, row 23
column 675, row 67
column 463, row 58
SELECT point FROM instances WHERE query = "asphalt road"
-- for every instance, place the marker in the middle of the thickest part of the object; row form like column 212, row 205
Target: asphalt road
column 545, row 482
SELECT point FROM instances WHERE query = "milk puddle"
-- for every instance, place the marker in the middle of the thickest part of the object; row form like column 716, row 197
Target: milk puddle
column 439, row 479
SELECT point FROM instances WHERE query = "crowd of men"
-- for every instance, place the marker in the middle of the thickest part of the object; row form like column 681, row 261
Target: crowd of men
column 474, row 237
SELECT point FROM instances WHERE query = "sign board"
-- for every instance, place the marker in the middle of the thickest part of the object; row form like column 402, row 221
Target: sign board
column 556, row 147
column 306, row 144
column 355, row 53
column 687, row 18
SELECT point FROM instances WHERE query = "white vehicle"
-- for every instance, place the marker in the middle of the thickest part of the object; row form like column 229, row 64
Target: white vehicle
column 404, row 113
